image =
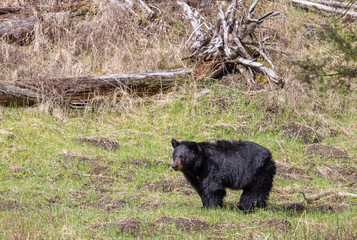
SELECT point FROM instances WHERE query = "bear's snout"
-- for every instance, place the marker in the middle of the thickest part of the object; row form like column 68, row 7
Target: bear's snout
column 177, row 164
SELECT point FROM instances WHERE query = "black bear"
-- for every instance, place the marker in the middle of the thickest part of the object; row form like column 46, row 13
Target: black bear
column 212, row 167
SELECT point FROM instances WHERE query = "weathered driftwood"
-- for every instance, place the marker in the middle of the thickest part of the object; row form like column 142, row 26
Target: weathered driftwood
column 224, row 45
column 78, row 91
column 316, row 197
column 325, row 8
column 22, row 29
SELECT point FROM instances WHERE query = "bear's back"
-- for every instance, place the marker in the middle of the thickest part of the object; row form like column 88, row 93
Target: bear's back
column 237, row 160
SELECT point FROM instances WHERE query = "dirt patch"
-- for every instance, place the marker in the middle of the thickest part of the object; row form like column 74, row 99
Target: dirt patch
column 97, row 167
column 222, row 227
column 327, row 151
column 102, row 142
column 280, row 225
column 106, row 204
column 349, row 173
column 340, row 173
column 305, row 133
column 83, row 158
column 167, row 186
column 163, row 186
column 148, row 206
column 9, row 205
column 296, row 207
column 145, row 162
column 326, row 208
column 131, row 227
column 186, row 224
column 288, row 172
column 103, row 202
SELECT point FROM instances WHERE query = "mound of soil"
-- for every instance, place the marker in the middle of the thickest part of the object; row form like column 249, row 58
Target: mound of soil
column 102, row 142
column 327, row 151
column 280, row 225
column 296, row 207
column 288, row 172
column 148, row 206
column 305, row 133
column 9, row 205
column 167, row 186
column 186, row 224
column 131, row 227
column 326, row 208
column 103, row 202
column 146, row 162
column 97, row 167
column 338, row 173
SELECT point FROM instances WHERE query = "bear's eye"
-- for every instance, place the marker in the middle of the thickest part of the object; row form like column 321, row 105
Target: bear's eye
column 179, row 156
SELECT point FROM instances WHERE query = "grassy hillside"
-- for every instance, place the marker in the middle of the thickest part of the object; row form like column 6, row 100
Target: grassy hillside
column 104, row 172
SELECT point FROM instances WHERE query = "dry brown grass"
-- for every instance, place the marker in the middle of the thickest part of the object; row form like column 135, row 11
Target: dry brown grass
column 105, row 41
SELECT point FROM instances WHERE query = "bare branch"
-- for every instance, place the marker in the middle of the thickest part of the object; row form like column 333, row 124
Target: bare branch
column 270, row 73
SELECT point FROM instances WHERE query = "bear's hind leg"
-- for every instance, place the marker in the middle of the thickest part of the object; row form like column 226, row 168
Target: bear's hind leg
column 256, row 193
column 251, row 200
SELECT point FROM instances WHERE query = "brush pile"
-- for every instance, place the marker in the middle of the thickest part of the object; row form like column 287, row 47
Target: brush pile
column 232, row 44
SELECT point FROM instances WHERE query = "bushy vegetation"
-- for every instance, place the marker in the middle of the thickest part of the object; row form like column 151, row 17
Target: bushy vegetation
column 336, row 68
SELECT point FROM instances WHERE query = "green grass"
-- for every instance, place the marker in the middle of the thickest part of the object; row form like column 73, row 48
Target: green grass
column 44, row 194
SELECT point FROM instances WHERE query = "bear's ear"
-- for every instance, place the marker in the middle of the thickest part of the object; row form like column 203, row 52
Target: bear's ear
column 174, row 143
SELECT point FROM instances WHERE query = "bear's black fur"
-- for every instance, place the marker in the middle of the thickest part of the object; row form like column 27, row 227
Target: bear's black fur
column 212, row 167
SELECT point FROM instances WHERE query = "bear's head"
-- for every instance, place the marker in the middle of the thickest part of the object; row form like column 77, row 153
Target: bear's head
column 186, row 155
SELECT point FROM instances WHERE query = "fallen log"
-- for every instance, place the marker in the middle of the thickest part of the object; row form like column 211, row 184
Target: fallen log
column 7, row 10
column 78, row 91
column 325, row 8
column 15, row 95
column 17, row 29
column 21, row 30
column 316, row 197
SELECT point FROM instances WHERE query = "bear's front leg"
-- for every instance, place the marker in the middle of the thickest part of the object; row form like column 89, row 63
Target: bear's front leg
column 195, row 183
column 213, row 199
column 213, row 193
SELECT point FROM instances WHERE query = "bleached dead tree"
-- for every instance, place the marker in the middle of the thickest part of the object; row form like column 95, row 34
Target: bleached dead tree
column 128, row 5
column 227, row 42
column 328, row 7
column 349, row 4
